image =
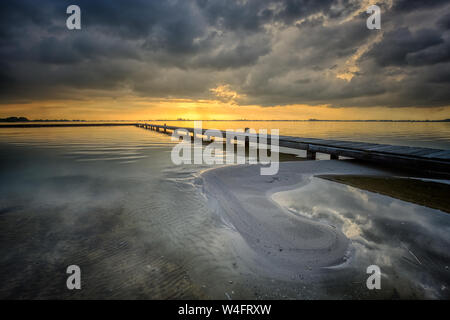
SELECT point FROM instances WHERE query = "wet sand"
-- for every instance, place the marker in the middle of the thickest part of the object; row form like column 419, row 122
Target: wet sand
column 281, row 243
column 320, row 235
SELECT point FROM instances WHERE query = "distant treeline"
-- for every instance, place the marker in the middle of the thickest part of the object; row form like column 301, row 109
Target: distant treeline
column 24, row 119
column 14, row 119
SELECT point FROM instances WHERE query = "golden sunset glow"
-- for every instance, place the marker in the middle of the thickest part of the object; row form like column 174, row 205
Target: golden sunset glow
column 135, row 108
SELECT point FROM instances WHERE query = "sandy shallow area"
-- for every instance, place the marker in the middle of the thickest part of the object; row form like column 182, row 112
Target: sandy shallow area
column 320, row 236
column 280, row 242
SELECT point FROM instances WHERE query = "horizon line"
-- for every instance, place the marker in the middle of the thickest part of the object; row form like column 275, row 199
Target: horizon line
column 25, row 119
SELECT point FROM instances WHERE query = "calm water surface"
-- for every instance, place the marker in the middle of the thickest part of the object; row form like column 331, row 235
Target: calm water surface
column 109, row 200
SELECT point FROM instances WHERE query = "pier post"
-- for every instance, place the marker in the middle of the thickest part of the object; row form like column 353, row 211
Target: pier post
column 334, row 157
column 247, row 139
column 310, row 155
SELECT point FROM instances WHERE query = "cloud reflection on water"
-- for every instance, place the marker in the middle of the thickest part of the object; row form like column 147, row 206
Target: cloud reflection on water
column 409, row 242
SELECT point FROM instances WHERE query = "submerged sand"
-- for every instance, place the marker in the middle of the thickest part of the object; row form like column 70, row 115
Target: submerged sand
column 280, row 243
column 426, row 193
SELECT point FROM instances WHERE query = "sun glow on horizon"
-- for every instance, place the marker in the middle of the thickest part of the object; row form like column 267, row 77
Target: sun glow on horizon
column 136, row 108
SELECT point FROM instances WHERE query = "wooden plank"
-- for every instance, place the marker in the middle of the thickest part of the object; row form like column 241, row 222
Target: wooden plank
column 397, row 150
column 355, row 145
column 415, row 151
column 366, row 146
column 380, row 148
column 444, row 154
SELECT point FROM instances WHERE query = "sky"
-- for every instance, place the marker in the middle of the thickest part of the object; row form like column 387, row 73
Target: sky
column 221, row 59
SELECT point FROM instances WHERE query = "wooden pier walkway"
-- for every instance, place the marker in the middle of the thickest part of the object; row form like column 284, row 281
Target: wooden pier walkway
column 422, row 159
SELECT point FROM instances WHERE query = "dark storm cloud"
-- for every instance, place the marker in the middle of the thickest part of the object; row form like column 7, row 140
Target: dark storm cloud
column 444, row 22
column 409, row 5
column 405, row 45
column 273, row 52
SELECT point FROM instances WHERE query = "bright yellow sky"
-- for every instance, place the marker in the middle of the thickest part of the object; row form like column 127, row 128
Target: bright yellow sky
column 133, row 108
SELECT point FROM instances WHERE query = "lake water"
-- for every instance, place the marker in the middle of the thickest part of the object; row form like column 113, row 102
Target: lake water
column 109, row 200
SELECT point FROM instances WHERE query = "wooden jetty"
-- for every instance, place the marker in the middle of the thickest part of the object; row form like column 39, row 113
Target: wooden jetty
column 414, row 158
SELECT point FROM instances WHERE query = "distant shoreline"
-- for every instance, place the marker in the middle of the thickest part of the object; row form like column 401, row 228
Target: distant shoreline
column 45, row 125
column 112, row 123
column 91, row 122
